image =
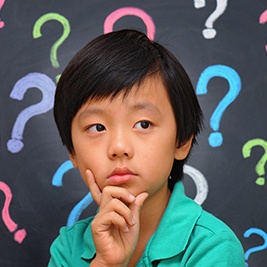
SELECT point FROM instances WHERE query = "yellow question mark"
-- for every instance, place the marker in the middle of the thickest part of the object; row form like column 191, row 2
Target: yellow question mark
column 66, row 31
column 260, row 166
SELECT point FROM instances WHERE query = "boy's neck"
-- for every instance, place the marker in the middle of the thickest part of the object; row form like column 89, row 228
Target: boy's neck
column 153, row 209
column 150, row 216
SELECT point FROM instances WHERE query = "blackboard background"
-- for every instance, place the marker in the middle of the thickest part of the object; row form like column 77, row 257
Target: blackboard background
column 41, row 208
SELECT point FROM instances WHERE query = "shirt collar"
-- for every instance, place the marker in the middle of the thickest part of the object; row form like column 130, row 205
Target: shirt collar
column 175, row 227
column 173, row 232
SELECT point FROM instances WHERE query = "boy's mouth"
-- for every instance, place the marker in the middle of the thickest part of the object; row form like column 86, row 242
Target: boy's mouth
column 120, row 175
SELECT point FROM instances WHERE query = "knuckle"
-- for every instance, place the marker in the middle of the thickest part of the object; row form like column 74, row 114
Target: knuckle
column 113, row 216
column 107, row 190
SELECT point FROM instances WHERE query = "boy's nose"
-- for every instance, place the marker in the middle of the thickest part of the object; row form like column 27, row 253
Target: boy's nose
column 120, row 146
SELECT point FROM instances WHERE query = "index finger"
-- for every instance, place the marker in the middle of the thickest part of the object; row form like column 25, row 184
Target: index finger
column 93, row 187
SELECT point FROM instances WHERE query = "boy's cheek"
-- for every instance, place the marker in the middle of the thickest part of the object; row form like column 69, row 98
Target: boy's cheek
column 74, row 160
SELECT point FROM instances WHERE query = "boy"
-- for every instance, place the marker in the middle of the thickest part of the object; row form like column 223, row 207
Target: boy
column 128, row 115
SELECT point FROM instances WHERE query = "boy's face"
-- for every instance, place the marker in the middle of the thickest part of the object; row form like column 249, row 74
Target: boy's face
column 128, row 142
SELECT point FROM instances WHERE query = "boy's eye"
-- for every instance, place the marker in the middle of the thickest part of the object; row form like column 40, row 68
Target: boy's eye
column 143, row 125
column 96, row 128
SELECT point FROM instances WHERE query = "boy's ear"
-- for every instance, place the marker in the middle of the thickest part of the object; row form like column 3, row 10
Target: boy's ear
column 73, row 159
column 182, row 151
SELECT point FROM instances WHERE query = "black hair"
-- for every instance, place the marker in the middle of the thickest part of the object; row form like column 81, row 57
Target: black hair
column 114, row 62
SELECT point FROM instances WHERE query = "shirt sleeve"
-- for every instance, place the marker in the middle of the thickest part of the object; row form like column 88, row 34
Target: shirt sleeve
column 60, row 250
column 220, row 249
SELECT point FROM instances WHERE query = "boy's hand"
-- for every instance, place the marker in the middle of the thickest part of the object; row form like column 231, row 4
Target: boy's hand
column 115, row 228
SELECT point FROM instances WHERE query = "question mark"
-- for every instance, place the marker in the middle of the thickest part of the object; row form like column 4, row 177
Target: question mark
column 216, row 138
column 2, row 24
column 19, row 235
column 263, row 19
column 66, row 31
column 47, row 87
column 210, row 32
column 200, row 182
column 259, row 248
column 83, row 204
column 260, row 166
column 121, row 12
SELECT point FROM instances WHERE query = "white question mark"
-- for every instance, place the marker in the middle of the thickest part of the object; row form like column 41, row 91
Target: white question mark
column 200, row 181
column 47, row 87
column 210, row 32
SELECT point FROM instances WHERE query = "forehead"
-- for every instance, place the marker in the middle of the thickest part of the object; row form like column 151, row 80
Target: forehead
column 151, row 91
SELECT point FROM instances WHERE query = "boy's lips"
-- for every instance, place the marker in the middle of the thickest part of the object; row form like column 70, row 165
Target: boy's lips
column 120, row 176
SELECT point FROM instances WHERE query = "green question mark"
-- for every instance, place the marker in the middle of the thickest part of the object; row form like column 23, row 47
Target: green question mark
column 260, row 166
column 66, row 31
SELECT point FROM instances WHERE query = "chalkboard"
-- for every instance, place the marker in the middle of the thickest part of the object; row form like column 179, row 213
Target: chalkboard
column 223, row 46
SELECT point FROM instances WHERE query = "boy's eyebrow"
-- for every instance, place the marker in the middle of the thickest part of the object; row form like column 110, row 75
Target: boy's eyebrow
column 91, row 111
column 145, row 106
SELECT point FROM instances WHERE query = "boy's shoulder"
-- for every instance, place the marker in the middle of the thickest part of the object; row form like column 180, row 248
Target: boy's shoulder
column 77, row 229
column 212, row 225
column 80, row 225
column 215, row 239
column 210, row 231
column 202, row 221
column 78, row 236
column 211, row 242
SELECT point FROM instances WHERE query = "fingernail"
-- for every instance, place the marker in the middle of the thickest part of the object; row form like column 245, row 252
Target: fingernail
column 126, row 229
column 132, row 197
column 133, row 221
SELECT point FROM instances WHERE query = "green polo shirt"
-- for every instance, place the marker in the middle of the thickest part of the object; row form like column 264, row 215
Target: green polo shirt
column 187, row 236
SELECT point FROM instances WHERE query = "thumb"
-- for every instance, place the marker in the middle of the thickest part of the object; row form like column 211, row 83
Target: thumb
column 138, row 203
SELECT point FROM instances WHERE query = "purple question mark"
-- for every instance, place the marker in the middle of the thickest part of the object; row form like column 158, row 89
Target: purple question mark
column 47, row 87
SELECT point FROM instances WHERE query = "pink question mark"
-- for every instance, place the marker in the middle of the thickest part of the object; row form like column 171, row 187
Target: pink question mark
column 2, row 24
column 121, row 12
column 19, row 235
column 263, row 19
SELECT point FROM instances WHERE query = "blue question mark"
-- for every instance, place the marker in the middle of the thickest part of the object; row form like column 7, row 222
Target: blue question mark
column 83, row 204
column 216, row 138
column 258, row 248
